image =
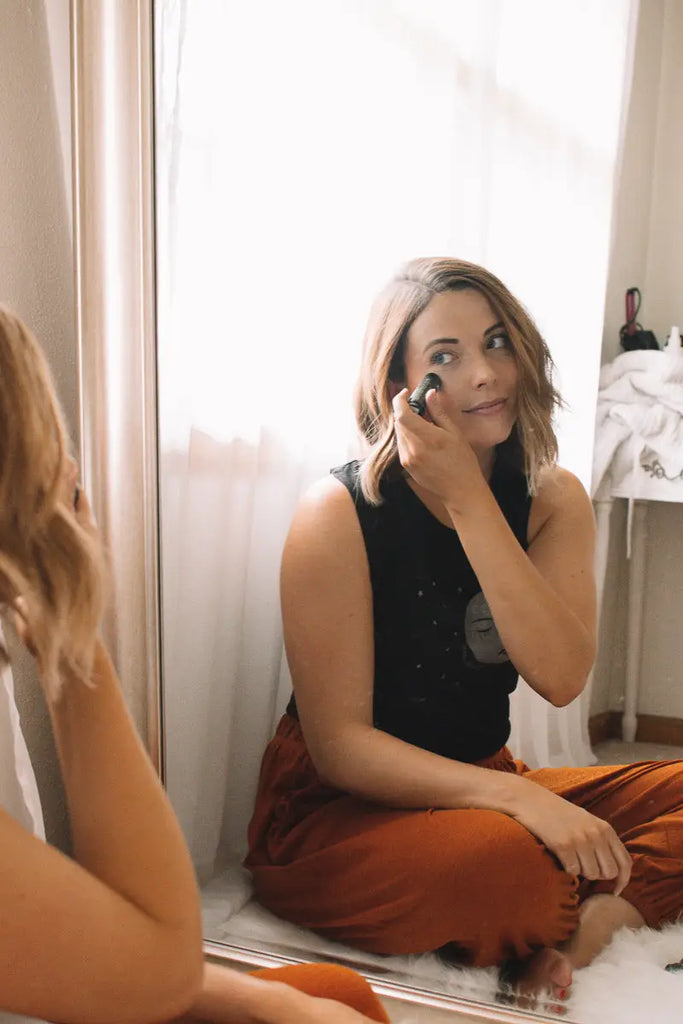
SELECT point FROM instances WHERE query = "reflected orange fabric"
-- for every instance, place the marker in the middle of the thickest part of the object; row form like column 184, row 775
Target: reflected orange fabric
column 472, row 881
column 330, row 981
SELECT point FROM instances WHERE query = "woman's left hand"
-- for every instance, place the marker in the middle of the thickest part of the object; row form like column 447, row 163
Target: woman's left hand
column 436, row 455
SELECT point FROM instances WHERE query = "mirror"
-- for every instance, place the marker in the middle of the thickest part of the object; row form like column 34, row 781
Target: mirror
column 303, row 152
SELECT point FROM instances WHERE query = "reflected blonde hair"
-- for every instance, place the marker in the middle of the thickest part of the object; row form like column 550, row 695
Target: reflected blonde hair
column 51, row 568
column 532, row 444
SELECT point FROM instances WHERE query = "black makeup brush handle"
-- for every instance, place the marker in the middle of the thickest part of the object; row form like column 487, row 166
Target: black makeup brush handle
column 417, row 400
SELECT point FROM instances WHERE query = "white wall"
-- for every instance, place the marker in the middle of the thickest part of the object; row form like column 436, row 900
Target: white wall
column 36, row 270
column 648, row 253
column 57, row 18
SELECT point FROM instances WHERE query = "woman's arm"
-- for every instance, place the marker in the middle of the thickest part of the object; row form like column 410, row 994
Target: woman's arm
column 113, row 935
column 328, row 629
column 543, row 601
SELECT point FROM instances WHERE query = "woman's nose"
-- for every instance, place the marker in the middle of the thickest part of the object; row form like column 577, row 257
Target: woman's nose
column 482, row 372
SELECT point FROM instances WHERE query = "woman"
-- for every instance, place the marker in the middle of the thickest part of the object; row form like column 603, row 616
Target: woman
column 114, row 934
column 416, row 585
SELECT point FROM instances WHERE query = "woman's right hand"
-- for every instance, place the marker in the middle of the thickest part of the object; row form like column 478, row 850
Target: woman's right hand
column 583, row 843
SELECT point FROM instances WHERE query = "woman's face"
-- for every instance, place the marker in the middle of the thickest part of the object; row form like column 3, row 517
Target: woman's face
column 459, row 337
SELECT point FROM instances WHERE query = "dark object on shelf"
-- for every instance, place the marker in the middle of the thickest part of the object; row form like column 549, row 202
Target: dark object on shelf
column 632, row 334
column 675, row 968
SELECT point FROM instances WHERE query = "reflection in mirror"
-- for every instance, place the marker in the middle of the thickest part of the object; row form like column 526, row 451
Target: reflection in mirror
column 289, row 189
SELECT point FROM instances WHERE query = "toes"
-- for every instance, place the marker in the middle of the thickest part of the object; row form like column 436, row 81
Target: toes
column 560, row 971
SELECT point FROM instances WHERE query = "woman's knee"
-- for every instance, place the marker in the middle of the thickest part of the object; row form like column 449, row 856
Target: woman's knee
column 486, row 887
column 519, row 896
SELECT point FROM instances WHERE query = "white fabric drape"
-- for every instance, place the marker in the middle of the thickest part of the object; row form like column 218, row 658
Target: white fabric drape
column 304, row 150
column 18, row 789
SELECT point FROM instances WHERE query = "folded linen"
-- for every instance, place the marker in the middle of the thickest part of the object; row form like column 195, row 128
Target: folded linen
column 640, row 413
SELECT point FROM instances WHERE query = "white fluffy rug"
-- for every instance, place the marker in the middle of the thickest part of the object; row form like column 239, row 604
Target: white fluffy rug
column 626, row 984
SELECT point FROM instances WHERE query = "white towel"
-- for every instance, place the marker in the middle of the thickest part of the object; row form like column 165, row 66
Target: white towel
column 640, row 410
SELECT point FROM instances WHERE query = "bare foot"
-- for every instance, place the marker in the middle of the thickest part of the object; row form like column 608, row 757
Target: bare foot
column 548, row 970
column 546, row 975
column 600, row 916
column 551, row 970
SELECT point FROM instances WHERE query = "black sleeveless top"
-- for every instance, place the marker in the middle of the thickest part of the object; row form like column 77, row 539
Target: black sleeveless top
column 442, row 677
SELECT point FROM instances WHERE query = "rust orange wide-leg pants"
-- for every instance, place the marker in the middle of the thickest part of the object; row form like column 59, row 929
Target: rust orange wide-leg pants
column 329, row 981
column 475, row 881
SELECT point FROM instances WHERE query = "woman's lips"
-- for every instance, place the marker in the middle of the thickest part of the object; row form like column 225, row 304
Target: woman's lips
column 488, row 408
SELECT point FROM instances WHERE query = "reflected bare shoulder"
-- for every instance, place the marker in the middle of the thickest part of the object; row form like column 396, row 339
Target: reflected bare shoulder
column 325, row 542
column 327, row 496
column 561, row 497
column 325, row 519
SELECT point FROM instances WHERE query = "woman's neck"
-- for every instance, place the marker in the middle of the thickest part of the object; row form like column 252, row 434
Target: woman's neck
column 486, row 459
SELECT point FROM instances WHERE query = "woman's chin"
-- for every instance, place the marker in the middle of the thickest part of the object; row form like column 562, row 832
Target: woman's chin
column 488, row 436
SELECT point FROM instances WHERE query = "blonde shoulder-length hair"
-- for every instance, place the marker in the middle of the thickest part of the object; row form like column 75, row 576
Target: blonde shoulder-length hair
column 52, row 569
column 532, row 444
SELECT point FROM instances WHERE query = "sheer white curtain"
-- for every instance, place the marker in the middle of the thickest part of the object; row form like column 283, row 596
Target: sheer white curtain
column 304, row 150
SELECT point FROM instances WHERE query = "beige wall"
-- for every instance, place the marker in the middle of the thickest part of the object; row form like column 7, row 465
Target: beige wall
column 36, row 265
column 648, row 253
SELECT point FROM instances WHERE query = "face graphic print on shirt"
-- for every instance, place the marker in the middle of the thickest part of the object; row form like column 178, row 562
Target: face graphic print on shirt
column 483, row 639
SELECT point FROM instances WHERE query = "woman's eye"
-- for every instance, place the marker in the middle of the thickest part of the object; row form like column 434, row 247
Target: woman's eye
column 442, row 358
column 499, row 341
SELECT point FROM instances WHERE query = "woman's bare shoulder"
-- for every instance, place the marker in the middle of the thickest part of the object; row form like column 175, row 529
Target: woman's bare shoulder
column 326, row 504
column 326, row 495
column 324, row 527
column 560, row 496
column 558, row 485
